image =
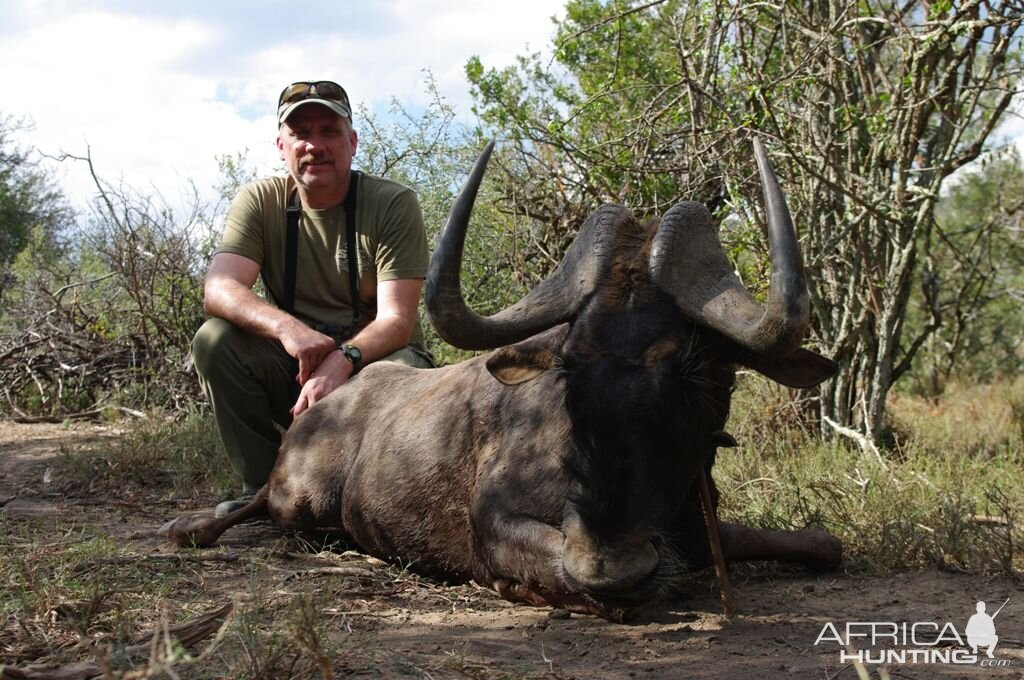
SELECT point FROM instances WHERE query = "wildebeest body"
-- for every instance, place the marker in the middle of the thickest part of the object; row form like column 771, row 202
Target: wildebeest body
column 403, row 470
column 479, row 496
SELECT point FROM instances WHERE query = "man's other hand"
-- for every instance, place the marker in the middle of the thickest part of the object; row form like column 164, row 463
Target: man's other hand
column 332, row 373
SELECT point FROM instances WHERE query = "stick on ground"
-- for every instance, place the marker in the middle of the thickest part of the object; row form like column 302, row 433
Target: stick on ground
column 711, row 522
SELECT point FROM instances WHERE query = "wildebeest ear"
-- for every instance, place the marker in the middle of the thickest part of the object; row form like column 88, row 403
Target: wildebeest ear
column 512, row 366
column 802, row 368
column 524, row 361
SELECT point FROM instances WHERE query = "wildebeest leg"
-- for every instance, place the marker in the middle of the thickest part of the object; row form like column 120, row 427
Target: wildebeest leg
column 203, row 529
column 526, row 568
column 814, row 548
column 537, row 597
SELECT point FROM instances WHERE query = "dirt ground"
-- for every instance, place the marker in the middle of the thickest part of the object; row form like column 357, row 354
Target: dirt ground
column 415, row 627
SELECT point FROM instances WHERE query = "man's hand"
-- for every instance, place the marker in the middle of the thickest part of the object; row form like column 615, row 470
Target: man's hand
column 333, row 372
column 228, row 294
column 389, row 331
column 310, row 347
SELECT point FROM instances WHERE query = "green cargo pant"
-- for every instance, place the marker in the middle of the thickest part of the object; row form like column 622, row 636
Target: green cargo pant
column 250, row 382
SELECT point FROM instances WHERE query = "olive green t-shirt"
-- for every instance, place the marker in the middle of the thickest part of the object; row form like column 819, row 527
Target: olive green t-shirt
column 391, row 241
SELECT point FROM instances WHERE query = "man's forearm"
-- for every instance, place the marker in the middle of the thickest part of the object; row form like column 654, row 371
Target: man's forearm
column 238, row 304
column 385, row 335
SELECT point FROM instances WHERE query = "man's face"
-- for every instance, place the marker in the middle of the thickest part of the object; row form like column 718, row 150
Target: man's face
column 317, row 145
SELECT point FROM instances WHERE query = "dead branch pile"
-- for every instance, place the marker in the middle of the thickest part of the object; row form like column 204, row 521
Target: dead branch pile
column 63, row 353
column 106, row 321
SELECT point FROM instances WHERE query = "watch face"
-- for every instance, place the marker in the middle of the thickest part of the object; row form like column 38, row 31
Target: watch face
column 353, row 354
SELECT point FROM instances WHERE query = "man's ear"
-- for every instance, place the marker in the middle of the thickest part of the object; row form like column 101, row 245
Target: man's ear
column 524, row 361
column 803, row 368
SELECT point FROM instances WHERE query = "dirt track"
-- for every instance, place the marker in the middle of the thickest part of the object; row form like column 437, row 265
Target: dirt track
column 389, row 623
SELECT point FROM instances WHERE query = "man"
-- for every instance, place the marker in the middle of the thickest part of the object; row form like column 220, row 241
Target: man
column 264, row 362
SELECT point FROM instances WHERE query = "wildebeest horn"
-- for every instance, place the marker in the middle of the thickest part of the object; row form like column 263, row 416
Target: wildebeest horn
column 553, row 301
column 687, row 261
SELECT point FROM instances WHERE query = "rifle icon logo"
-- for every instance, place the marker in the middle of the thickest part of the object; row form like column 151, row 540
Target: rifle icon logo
column 981, row 629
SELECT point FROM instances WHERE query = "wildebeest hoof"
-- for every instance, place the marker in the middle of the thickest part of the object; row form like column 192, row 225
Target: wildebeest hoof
column 618, row 614
column 191, row 531
column 519, row 592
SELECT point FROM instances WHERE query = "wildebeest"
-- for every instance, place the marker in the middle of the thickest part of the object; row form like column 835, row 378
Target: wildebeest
column 562, row 468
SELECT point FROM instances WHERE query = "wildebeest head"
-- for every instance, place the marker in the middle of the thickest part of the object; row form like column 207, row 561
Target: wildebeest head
column 657, row 322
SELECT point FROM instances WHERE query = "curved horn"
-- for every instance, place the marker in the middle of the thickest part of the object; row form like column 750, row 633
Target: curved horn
column 687, row 261
column 553, row 301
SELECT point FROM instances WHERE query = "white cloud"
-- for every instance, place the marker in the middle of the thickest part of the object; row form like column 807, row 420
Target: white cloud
column 158, row 96
column 114, row 83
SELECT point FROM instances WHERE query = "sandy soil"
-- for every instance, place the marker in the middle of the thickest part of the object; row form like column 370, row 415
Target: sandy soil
column 394, row 624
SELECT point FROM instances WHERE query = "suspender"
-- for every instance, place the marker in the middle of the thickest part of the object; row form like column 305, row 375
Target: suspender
column 350, row 246
column 292, row 214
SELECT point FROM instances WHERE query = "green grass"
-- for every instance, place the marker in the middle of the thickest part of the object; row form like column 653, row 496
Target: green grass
column 79, row 595
column 61, row 592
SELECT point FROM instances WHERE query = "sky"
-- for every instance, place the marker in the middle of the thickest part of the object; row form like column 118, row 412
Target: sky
column 155, row 91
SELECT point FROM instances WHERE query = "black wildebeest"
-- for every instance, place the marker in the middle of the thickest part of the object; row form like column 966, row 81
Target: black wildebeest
column 562, row 468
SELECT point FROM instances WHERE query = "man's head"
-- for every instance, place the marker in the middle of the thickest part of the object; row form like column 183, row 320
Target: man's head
column 316, row 140
column 980, row 607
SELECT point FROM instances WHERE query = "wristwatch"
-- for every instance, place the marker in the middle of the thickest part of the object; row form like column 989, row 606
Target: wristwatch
column 353, row 354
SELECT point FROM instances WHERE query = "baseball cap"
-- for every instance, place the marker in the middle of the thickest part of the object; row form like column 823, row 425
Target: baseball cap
column 323, row 92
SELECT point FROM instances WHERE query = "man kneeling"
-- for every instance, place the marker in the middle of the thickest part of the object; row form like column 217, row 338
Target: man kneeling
column 313, row 236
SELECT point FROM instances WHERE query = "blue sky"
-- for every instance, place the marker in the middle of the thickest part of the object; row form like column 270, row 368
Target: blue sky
column 157, row 90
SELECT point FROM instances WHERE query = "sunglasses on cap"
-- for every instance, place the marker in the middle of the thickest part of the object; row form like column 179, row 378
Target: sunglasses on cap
column 325, row 91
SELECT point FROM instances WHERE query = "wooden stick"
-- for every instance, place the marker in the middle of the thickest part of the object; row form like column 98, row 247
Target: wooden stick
column 711, row 522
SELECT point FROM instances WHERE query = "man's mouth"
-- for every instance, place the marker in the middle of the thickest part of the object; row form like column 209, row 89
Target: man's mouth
column 313, row 162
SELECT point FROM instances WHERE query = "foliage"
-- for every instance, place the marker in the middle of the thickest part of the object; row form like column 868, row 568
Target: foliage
column 972, row 280
column 31, row 206
column 869, row 106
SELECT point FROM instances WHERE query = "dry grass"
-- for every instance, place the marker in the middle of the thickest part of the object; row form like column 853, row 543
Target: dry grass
column 947, row 493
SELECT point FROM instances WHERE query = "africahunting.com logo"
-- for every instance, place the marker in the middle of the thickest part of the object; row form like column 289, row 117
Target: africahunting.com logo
column 920, row 642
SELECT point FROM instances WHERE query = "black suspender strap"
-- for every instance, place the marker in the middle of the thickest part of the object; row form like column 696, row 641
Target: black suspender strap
column 293, row 213
column 351, row 248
